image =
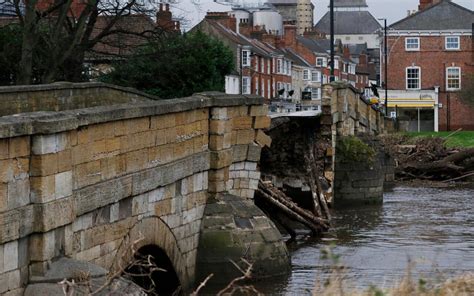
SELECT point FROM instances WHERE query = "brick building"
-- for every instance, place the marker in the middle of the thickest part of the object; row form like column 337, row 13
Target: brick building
column 430, row 55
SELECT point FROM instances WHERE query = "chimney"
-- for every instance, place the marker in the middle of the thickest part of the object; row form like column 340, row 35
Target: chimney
column 363, row 59
column 346, row 52
column 270, row 39
column 167, row 7
column 224, row 19
column 289, row 34
column 426, row 3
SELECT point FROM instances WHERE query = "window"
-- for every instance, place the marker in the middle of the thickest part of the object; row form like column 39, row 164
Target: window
column 321, row 62
column 256, row 86
column 413, row 78
column 453, row 78
column 268, row 66
column 262, row 65
column 412, row 43
column 245, row 85
column 256, row 64
column 268, row 89
column 279, row 70
column 245, row 58
column 288, row 68
column 315, row 76
column 452, row 43
column 306, row 74
column 325, row 79
column 285, row 66
column 315, row 93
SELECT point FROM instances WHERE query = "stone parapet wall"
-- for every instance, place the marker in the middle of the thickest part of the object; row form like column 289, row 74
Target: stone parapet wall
column 63, row 96
column 77, row 182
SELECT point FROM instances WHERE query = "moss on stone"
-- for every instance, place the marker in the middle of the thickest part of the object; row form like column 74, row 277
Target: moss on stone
column 353, row 149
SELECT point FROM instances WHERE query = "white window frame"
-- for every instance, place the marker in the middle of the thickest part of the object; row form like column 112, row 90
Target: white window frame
column 256, row 64
column 315, row 93
column 419, row 77
column 452, row 48
column 447, row 78
column 321, row 62
column 306, row 74
column 246, row 85
column 245, row 58
column 279, row 66
column 315, row 76
column 268, row 66
column 257, row 86
column 412, row 48
column 262, row 65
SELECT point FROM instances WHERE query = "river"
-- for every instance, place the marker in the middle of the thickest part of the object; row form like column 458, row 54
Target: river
column 431, row 228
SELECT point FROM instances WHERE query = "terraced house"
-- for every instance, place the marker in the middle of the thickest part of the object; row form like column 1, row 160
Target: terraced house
column 430, row 57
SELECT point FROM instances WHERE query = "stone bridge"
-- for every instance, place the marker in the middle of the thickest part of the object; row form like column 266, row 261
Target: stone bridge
column 89, row 170
column 344, row 115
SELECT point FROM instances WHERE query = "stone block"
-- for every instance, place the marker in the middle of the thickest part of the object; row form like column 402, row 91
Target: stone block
column 244, row 136
column 102, row 194
column 114, row 212
column 239, row 153
column 262, row 139
column 45, row 144
column 218, row 175
column 63, row 184
column 18, row 193
column 44, row 165
column 139, row 204
column 14, row 169
column 250, row 166
column 55, row 214
column 262, row 122
column 163, row 121
column 42, row 246
column 4, row 143
column 64, row 160
column 258, row 110
column 43, row 189
column 18, row 147
column 219, row 142
column 221, row 159
column 198, row 182
column 83, row 222
column 136, row 125
column 219, row 113
column 125, row 208
column 219, row 127
column 217, row 186
column 10, row 256
column 163, row 207
column 89, row 173
column 242, row 122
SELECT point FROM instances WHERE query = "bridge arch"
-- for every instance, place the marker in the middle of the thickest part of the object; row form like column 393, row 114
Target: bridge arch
column 151, row 235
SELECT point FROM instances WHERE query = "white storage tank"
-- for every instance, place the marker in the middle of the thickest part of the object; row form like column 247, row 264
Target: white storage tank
column 271, row 19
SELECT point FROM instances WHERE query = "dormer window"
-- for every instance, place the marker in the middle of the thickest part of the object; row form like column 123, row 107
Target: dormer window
column 412, row 43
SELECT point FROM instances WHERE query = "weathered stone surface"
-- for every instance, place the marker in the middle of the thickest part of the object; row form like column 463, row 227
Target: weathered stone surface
column 230, row 228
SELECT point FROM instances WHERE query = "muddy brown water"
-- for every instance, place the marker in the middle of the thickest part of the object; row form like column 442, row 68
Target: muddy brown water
column 431, row 228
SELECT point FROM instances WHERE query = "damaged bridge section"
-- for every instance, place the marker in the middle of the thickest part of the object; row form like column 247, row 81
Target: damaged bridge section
column 315, row 145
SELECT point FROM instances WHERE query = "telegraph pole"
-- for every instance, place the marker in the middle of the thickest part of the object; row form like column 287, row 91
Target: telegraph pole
column 331, row 20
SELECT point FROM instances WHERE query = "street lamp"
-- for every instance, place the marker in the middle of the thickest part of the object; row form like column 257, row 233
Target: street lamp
column 385, row 62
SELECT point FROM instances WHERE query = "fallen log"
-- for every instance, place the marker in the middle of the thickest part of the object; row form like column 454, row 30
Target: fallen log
column 282, row 198
column 315, row 229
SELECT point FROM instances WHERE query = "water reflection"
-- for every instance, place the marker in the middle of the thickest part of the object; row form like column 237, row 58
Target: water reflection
column 431, row 227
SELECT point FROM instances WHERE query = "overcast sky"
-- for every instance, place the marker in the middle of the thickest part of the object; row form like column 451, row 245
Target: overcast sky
column 195, row 10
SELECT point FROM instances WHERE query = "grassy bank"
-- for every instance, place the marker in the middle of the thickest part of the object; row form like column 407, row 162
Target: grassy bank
column 461, row 139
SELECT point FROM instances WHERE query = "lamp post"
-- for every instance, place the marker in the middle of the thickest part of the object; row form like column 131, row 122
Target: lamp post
column 331, row 21
column 385, row 62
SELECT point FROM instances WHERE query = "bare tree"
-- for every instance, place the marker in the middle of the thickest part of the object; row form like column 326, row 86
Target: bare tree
column 62, row 32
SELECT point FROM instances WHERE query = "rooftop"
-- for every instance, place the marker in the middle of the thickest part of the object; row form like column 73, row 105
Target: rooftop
column 349, row 22
column 445, row 15
column 350, row 3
